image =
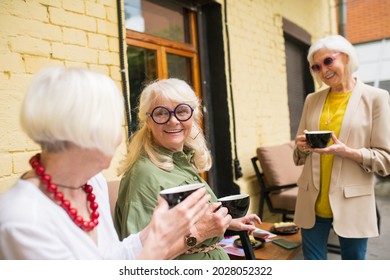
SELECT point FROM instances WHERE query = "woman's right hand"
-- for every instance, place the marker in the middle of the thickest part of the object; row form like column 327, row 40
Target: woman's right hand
column 213, row 223
column 163, row 237
column 301, row 143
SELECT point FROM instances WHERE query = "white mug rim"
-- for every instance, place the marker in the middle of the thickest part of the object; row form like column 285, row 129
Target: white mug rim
column 183, row 188
column 233, row 197
column 318, row 132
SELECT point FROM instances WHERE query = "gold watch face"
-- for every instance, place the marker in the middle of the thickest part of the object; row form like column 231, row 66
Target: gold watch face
column 190, row 241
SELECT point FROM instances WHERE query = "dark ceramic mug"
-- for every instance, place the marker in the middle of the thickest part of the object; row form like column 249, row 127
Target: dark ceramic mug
column 237, row 205
column 319, row 138
column 177, row 194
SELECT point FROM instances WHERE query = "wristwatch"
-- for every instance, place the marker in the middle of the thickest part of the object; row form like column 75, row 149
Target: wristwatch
column 190, row 240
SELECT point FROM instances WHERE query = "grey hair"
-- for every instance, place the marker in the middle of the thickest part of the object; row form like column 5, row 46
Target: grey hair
column 73, row 105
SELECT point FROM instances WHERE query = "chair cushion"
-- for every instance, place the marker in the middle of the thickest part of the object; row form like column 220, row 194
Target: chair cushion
column 285, row 199
column 277, row 164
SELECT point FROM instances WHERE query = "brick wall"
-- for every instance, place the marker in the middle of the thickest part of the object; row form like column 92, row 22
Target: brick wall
column 367, row 20
column 38, row 33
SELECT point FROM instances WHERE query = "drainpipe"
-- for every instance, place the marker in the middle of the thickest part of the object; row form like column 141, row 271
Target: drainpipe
column 342, row 12
column 122, row 67
column 237, row 168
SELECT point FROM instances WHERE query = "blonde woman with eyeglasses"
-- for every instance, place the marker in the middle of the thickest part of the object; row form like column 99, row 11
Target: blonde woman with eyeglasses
column 170, row 150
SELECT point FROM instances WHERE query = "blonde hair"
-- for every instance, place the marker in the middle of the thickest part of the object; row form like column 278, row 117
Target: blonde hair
column 174, row 90
column 73, row 105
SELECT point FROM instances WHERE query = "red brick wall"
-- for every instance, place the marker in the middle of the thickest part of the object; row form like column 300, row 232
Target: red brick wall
column 367, row 20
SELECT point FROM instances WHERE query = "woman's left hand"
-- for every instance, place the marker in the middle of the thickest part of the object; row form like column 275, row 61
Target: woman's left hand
column 339, row 149
column 245, row 223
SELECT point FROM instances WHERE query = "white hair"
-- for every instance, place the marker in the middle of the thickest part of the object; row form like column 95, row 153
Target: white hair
column 73, row 105
column 335, row 43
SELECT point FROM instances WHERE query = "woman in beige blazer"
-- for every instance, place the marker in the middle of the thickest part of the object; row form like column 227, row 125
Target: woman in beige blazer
column 336, row 187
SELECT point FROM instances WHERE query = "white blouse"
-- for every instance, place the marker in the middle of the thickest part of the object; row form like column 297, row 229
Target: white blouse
column 32, row 226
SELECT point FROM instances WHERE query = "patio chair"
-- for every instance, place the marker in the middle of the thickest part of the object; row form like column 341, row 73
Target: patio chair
column 278, row 178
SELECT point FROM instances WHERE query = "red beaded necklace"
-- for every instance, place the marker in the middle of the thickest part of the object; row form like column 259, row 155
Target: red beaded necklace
column 65, row 204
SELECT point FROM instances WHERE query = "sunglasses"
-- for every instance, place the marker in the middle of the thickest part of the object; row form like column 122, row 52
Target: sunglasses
column 328, row 61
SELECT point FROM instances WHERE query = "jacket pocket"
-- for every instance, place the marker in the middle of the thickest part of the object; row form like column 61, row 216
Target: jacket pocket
column 357, row 190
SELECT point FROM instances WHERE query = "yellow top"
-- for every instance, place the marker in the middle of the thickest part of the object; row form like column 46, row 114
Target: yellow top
column 331, row 119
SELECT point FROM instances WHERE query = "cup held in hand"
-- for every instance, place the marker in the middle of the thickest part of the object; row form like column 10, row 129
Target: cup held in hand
column 318, row 139
column 177, row 194
column 237, row 205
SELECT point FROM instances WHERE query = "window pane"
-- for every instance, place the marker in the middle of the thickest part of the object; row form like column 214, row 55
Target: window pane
column 159, row 18
column 385, row 85
column 179, row 67
column 133, row 15
column 142, row 69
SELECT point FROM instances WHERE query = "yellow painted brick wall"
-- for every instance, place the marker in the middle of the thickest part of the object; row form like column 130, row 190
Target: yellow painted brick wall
column 38, row 33
column 259, row 72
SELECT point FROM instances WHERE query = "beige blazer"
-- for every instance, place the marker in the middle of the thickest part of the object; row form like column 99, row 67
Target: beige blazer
column 366, row 126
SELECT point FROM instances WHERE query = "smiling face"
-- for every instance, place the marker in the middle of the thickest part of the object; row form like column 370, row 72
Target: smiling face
column 336, row 74
column 172, row 134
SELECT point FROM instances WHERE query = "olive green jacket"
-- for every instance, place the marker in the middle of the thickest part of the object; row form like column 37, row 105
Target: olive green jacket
column 139, row 190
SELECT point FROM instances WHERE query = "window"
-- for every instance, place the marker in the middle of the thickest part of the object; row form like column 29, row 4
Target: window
column 159, row 18
column 385, row 85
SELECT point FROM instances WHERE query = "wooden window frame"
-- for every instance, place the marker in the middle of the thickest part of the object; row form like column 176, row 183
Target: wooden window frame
column 164, row 46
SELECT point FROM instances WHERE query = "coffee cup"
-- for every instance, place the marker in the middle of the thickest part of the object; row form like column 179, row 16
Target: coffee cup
column 237, row 205
column 176, row 195
column 319, row 138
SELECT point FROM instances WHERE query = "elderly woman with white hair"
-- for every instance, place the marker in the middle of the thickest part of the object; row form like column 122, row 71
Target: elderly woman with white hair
column 336, row 187
column 60, row 208
column 169, row 150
